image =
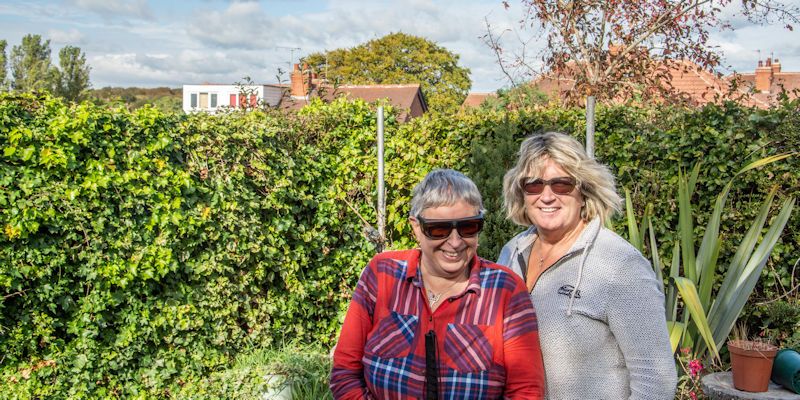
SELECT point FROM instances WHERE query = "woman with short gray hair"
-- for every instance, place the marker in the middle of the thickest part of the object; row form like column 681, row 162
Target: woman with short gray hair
column 439, row 321
column 599, row 305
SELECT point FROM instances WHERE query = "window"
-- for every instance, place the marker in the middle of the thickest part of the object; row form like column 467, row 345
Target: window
column 232, row 101
column 213, row 100
column 194, row 100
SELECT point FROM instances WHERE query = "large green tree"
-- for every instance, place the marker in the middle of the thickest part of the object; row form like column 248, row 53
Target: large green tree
column 398, row 58
column 31, row 69
column 3, row 65
column 73, row 76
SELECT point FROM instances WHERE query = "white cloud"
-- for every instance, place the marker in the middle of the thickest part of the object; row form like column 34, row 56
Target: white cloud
column 71, row 37
column 279, row 40
column 193, row 41
column 137, row 9
column 130, row 69
column 188, row 66
column 743, row 47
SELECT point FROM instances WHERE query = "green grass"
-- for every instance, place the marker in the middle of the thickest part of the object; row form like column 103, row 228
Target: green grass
column 307, row 369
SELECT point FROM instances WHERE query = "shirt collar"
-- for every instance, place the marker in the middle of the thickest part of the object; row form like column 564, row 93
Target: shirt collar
column 413, row 273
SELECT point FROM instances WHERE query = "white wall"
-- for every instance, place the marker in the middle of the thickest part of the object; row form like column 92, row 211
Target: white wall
column 223, row 93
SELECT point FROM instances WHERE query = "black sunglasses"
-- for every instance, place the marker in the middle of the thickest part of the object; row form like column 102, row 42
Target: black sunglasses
column 560, row 185
column 437, row 229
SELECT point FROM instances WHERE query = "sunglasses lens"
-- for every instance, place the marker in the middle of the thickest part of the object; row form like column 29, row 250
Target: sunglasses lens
column 557, row 185
column 534, row 187
column 441, row 229
column 438, row 230
column 562, row 186
column 470, row 228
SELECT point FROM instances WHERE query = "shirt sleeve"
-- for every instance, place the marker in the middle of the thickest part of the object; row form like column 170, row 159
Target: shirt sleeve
column 636, row 318
column 523, row 356
column 347, row 375
column 504, row 258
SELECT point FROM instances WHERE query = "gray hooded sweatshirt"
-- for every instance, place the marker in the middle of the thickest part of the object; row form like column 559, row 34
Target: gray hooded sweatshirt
column 602, row 326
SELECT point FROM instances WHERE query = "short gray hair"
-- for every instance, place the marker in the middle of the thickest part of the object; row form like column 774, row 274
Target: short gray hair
column 444, row 187
column 595, row 180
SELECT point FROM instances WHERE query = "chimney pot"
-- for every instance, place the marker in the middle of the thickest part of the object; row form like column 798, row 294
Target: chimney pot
column 769, row 61
column 776, row 66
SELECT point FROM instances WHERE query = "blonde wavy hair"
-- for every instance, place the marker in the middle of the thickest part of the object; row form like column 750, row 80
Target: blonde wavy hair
column 595, row 180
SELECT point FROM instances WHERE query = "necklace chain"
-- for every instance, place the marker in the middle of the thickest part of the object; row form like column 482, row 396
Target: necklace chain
column 568, row 239
column 434, row 298
column 543, row 256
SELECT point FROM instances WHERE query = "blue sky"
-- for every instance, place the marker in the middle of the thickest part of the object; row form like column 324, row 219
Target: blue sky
column 169, row 43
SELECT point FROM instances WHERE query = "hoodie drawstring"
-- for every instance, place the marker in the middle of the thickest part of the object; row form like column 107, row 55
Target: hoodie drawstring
column 589, row 243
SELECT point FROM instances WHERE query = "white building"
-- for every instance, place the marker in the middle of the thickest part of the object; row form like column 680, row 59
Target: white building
column 211, row 98
column 304, row 86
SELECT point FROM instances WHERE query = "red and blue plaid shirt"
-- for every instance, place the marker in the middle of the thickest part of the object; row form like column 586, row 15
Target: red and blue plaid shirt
column 488, row 340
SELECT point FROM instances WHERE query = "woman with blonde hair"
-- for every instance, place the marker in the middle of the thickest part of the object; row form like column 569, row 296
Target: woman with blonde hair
column 599, row 305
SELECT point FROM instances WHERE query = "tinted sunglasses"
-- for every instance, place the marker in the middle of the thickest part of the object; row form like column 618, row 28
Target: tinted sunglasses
column 560, row 185
column 440, row 228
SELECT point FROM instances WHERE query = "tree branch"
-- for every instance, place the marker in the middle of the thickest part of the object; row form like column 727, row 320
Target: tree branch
column 19, row 293
column 494, row 44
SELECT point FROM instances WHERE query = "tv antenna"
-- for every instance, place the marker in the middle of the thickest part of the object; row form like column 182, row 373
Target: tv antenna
column 291, row 52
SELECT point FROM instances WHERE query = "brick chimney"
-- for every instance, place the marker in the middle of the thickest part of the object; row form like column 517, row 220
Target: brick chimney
column 298, row 88
column 764, row 76
column 302, row 81
column 776, row 67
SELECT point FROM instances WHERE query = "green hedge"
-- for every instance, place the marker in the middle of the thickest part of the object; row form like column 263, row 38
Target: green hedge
column 140, row 252
column 645, row 147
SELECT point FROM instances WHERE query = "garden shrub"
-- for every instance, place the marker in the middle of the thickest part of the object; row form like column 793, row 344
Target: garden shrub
column 645, row 147
column 140, row 249
column 141, row 252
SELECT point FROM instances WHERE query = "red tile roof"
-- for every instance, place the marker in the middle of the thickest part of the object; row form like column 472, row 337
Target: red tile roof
column 475, row 99
column 407, row 98
column 695, row 85
column 768, row 82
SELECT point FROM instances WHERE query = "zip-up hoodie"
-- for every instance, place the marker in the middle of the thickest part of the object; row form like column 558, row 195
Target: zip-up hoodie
column 602, row 326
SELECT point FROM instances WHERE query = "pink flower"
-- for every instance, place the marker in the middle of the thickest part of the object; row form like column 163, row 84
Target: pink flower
column 695, row 366
column 685, row 350
column 693, row 395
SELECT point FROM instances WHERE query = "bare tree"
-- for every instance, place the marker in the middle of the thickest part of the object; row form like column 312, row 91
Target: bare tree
column 609, row 48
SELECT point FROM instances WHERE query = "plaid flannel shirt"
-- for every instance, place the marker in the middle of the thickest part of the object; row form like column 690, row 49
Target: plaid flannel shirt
column 488, row 342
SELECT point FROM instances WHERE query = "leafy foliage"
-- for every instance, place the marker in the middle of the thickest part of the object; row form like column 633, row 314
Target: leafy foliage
column 30, row 65
column 142, row 252
column 779, row 321
column 708, row 314
column 31, row 69
column 165, row 99
column 3, row 65
column 611, row 48
column 645, row 147
column 399, row 58
column 73, row 76
column 141, row 249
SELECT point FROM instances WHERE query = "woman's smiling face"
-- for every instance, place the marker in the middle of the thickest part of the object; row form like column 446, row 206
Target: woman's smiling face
column 450, row 256
column 553, row 214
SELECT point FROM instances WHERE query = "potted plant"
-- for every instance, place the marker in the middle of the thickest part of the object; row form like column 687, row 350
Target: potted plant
column 751, row 361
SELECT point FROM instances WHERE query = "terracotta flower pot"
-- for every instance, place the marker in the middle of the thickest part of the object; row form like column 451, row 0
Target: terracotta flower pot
column 751, row 363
